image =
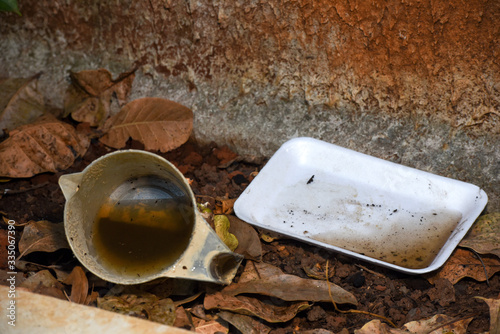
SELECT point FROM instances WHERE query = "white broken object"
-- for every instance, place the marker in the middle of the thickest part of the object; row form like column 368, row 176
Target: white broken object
column 379, row 211
column 34, row 313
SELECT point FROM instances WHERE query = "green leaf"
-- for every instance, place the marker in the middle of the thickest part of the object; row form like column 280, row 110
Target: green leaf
column 9, row 6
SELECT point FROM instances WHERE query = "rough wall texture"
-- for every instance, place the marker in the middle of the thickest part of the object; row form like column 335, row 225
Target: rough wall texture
column 415, row 82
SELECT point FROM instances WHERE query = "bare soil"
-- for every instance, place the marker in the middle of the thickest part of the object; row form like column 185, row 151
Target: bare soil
column 399, row 297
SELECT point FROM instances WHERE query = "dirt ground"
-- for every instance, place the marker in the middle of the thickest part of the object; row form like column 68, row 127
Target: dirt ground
column 215, row 173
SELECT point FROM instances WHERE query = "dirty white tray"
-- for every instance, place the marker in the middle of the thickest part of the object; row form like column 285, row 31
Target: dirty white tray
column 362, row 206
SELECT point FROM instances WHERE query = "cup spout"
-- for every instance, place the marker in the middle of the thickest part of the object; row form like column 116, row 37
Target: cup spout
column 69, row 184
column 224, row 266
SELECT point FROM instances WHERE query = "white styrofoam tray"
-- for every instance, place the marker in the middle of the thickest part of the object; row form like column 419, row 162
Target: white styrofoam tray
column 382, row 212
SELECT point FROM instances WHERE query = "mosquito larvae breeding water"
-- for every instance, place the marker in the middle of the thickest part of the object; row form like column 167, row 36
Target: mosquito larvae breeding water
column 144, row 227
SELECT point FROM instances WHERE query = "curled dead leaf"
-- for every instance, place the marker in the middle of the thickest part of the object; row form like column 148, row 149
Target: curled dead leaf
column 265, row 279
column 484, row 236
column 494, row 305
column 182, row 318
column 211, row 327
column 464, row 263
column 27, row 266
column 44, row 283
column 48, row 145
column 268, row 311
column 79, row 285
column 94, row 96
column 226, row 206
column 20, row 102
column 248, row 239
column 42, row 236
column 438, row 324
column 244, row 323
column 160, row 124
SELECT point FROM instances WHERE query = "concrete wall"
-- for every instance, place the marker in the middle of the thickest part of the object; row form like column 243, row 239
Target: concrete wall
column 414, row 82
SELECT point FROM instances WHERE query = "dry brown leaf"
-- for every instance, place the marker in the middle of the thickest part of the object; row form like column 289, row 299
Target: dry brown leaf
column 94, row 96
column 20, row 102
column 378, row 327
column 160, row 124
column 494, row 305
column 79, row 285
column 248, row 239
column 258, row 270
column 27, row 266
column 270, row 281
column 244, row 323
column 438, row 324
column 252, row 306
column 145, row 305
column 210, row 327
column 91, row 298
column 182, row 318
column 48, row 145
column 224, row 205
column 463, row 263
column 484, row 236
column 227, row 206
column 42, row 236
column 44, row 283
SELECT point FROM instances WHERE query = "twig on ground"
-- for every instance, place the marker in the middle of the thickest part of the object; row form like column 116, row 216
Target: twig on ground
column 484, row 267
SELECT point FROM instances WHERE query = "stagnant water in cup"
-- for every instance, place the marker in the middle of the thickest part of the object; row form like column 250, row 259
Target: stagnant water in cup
column 144, row 226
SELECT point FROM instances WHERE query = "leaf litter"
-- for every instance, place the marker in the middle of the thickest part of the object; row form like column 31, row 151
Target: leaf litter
column 144, row 305
column 464, row 263
column 265, row 279
column 94, row 95
column 42, row 236
column 494, row 305
column 438, row 324
column 484, row 236
column 20, row 102
column 284, row 292
column 80, row 287
column 47, row 145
